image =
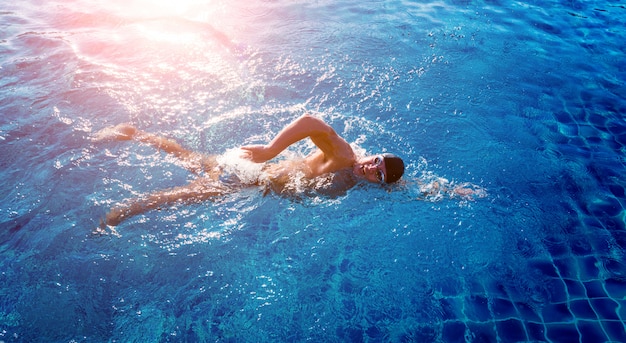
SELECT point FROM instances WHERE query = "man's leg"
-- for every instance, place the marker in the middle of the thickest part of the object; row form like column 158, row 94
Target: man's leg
column 193, row 161
column 197, row 191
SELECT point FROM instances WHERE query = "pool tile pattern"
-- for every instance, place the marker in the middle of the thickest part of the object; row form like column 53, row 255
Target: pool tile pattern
column 584, row 301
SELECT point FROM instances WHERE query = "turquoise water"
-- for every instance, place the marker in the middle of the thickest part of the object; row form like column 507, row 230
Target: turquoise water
column 525, row 99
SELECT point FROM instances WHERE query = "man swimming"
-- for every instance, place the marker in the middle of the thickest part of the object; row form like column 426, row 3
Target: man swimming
column 334, row 160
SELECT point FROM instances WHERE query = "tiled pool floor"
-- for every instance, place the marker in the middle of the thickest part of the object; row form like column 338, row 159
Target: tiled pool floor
column 582, row 299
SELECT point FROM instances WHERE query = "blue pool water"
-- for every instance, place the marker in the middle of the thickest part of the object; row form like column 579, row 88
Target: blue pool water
column 524, row 99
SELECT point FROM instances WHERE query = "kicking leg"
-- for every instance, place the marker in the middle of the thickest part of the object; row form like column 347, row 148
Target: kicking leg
column 193, row 161
column 195, row 192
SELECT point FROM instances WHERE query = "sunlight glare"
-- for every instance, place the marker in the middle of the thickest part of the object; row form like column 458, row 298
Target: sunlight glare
column 166, row 8
column 173, row 21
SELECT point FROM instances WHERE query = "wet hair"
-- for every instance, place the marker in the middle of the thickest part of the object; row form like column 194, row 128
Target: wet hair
column 394, row 166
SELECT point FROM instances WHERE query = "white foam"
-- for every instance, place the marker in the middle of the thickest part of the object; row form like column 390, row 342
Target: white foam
column 247, row 171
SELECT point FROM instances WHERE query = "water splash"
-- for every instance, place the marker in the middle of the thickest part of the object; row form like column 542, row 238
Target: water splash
column 232, row 163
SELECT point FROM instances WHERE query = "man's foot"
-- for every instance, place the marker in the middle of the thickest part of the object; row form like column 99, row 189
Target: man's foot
column 121, row 132
column 104, row 229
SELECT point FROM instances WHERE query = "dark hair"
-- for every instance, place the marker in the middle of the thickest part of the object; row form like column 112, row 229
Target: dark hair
column 394, row 166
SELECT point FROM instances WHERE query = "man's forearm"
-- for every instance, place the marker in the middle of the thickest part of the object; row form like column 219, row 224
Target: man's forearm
column 307, row 126
column 303, row 127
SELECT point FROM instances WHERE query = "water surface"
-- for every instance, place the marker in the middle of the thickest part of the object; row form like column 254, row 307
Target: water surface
column 525, row 99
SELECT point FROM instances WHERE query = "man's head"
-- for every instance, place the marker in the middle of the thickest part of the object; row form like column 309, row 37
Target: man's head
column 385, row 168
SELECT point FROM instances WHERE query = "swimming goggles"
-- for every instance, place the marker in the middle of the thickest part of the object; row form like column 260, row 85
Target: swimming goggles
column 380, row 176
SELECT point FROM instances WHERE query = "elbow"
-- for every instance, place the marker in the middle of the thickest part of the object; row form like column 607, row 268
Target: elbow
column 307, row 118
column 314, row 124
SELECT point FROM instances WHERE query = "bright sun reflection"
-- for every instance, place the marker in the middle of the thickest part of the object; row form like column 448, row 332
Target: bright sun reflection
column 162, row 56
column 175, row 21
column 156, row 8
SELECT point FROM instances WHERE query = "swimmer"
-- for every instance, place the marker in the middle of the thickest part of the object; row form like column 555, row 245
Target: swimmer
column 333, row 156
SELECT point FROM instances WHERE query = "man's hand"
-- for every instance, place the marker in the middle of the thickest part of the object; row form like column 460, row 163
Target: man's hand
column 257, row 153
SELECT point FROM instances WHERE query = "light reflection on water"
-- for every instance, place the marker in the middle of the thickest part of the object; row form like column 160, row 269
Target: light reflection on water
column 199, row 73
column 441, row 81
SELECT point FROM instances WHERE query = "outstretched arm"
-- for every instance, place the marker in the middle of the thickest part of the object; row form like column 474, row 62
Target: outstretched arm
column 307, row 126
